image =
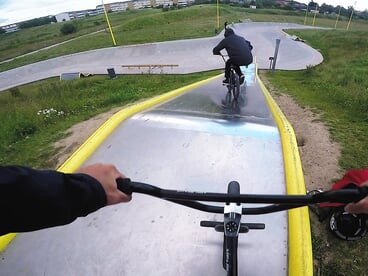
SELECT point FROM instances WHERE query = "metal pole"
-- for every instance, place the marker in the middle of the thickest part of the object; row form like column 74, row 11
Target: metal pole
column 337, row 18
column 218, row 15
column 108, row 24
column 306, row 15
column 351, row 17
column 275, row 55
column 315, row 14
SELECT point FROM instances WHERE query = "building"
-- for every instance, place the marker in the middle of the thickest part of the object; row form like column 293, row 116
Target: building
column 142, row 4
column 66, row 16
column 10, row 28
column 283, row 3
column 181, row 3
column 114, row 7
column 62, row 17
column 162, row 3
column 299, row 6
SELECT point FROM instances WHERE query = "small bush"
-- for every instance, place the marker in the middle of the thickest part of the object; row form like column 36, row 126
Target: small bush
column 68, row 28
column 15, row 92
column 22, row 129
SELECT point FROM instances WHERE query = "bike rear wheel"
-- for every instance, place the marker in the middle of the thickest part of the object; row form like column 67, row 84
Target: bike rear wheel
column 234, row 85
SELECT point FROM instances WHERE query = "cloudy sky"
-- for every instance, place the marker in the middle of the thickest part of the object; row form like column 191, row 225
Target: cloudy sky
column 12, row 11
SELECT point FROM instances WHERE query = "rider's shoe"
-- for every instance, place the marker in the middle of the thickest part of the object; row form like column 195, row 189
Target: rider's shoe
column 225, row 81
column 241, row 79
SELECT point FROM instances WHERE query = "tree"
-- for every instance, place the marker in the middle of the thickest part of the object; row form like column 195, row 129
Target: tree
column 36, row 22
column 312, row 6
column 326, row 8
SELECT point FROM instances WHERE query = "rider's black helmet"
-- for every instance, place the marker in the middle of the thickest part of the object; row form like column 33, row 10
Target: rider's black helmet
column 228, row 32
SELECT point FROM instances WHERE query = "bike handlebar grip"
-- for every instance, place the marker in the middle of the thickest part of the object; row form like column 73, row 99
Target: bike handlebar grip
column 124, row 185
column 206, row 223
column 363, row 191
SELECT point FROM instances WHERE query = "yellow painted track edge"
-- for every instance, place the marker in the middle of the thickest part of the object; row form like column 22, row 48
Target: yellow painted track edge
column 5, row 240
column 92, row 143
column 300, row 258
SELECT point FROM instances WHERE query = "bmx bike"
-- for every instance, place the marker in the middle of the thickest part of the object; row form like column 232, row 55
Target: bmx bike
column 233, row 87
column 231, row 225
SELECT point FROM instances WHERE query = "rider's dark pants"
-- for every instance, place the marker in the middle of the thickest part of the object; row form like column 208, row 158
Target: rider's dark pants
column 228, row 66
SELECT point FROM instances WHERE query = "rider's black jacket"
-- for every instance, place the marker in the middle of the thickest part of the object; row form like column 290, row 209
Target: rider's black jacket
column 32, row 200
column 238, row 48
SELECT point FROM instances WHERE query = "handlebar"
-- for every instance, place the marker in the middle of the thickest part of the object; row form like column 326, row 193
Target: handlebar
column 223, row 57
column 277, row 202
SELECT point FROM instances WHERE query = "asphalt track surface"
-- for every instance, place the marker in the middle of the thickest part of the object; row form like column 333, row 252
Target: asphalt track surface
column 195, row 141
column 187, row 56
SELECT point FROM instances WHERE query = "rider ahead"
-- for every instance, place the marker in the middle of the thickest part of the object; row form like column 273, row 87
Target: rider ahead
column 239, row 51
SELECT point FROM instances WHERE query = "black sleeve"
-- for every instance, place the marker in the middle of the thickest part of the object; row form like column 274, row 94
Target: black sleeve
column 219, row 47
column 32, row 200
column 250, row 45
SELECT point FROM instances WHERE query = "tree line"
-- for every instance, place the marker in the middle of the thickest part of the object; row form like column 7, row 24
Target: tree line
column 37, row 22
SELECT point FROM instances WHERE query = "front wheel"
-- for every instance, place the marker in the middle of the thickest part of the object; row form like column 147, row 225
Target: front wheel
column 230, row 244
column 236, row 87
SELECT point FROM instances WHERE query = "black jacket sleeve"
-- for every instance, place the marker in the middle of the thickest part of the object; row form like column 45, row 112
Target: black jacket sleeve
column 32, row 200
column 217, row 49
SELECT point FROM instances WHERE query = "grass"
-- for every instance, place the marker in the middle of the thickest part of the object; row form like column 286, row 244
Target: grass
column 337, row 89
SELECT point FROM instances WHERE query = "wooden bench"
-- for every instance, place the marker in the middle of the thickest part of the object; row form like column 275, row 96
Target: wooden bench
column 150, row 66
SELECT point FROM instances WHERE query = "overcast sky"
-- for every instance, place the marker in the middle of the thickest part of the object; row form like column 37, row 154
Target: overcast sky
column 12, row 11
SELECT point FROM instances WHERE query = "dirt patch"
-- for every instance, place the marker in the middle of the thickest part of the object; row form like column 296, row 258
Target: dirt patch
column 76, row 136
column 318, row 153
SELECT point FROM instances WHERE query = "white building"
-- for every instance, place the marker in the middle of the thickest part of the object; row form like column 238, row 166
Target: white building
column 141, row 4
column 115, row 7
column 10, row 28
column 66, row 16
column 163, row 3
column 62, row 17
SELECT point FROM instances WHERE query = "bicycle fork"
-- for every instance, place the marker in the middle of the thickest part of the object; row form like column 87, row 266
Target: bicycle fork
column 231, row 227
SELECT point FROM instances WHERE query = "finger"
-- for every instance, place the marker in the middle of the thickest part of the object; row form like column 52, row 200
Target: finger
column 365, row 183
column 117, row 174
column 354, row 208
column 349, row 208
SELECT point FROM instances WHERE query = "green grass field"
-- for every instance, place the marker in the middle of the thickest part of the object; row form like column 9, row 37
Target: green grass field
column 34, row 116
